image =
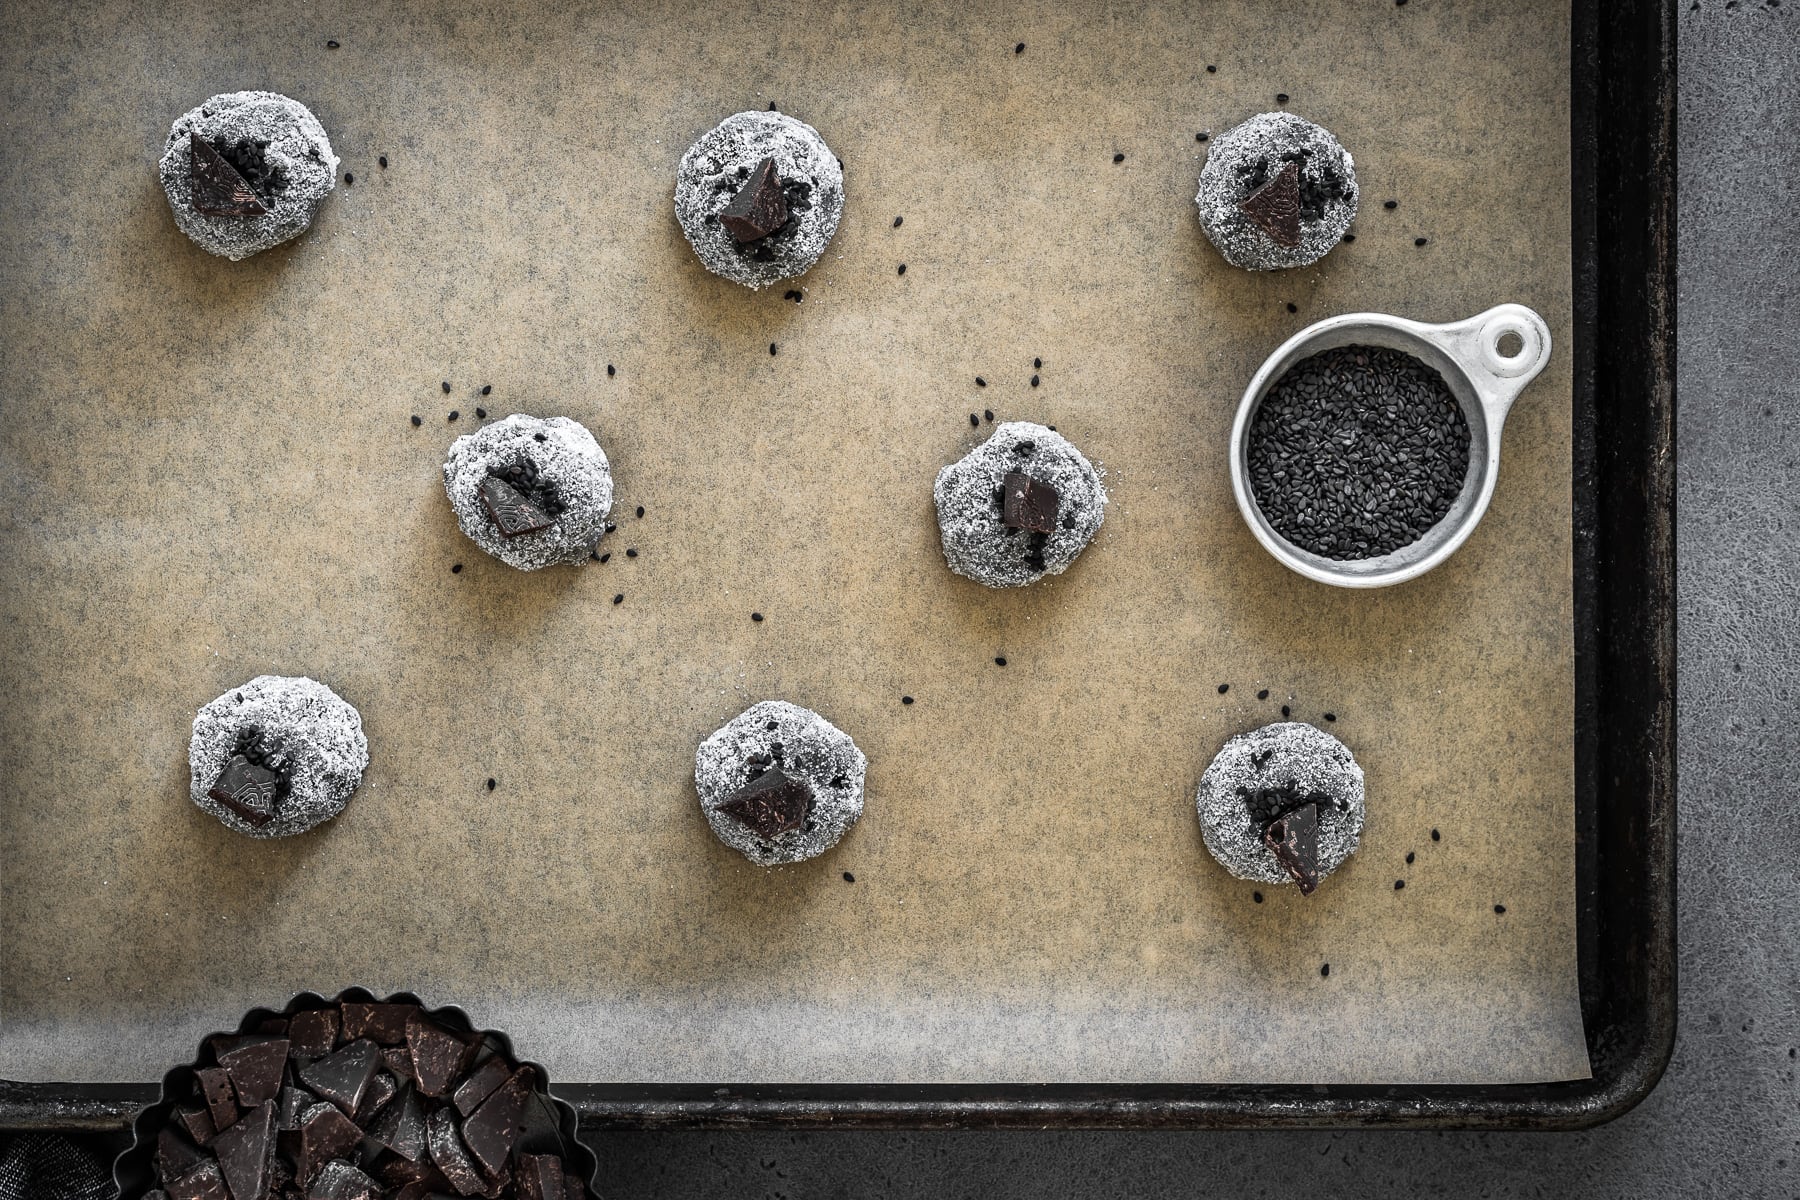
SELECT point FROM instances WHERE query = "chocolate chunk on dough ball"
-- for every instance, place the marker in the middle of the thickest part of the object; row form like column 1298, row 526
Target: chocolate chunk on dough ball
column 1282, row 804
column 530, row 491
column 276, row 756
column 1276, row 192
column 1018, row 507
column 759, row 197
column 246, row 171
column 779, row 783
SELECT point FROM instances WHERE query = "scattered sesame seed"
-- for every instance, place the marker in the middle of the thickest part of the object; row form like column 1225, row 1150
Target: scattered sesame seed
column 794, row 294
column 906, row 699
column 1435, row 836
column 1201, row 137
column 771, row 349
column 640, row 512
column 980, row 382
column 1399, row 884
column 902, row 270
column 382, row 160
column 1325, row 971
column 1499, row 909
column 609, row 370
column 1037, row 364
column 1019, row 49
column 1263, row 695
column 610, row 527
column 491, row 785
column 1293, row 308
column 1281, row 97
column 456, row 569
column 772, row 107
column 1211, row 69
column 1349, row 237
column 454, row 414
column 349, row 179
column 619, row 599
column 631, row 552
column 605, row 556
column 481, row 413
column 1118, row 158
column 331, row 45
column 446, row 387
column 1223, row 688
column 1284, row 711
column 1409, row 857
column 1331, row 716
column 1420, row 241
column 1034, row 381
column 487, row 389
column 1256, row 896
column 974, row 421
column 417, row 419
column 849, row 878
column 897, row 221
column 987, row 414
column 1390, row 204
column 1000, row 661
column 757, row 617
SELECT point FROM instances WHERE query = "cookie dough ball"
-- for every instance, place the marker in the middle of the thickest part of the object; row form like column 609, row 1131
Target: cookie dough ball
column 530, row 491
column 1275, row 774
column 1018, row 507
column 724, row 198
column 779, row 783
column 1276, row 191
column 246, row 171
column 276, row 756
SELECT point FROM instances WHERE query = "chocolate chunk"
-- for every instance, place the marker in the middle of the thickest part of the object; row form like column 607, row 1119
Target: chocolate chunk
column 198, row 1122
column 574, row 1189
column 437, row 1055
column 1294, row 838
column 512, row 513
column 492, row 1129
column 343, row 1077
column 247, row 790
column 447, row 1152
column 759, row 208
column 214, row 185
column 247, row 1152
column 539, row 1177
column 255, row 1070
column 216, row 1090
column 204, row 1182
column 323, row 1134
column 175, row 1155
column 341, row 1180
column 481, row 1084
column 383, row 1024
column 1274, row 208
column 381, row 1089
column 1028, row 503
column 398, row 1060
column 314, row 1033
column 771, row 804
column 401, row 1126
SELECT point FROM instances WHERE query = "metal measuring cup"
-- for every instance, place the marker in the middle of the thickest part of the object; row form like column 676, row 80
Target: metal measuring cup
column 1483, row 377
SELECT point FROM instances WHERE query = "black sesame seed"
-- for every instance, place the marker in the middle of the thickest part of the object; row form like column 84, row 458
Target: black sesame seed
column 619, row 599
column 631, row 552
column 757, row 617
column 771, row 349
column 481, row 413
column 487, row 389
column 1223, row 688
column 849, row 878
column 1200, row 137
column 331, row 45
column 897, row 221
column 974, row 421
column 902, row 270
column 605, row 556
column 1390, row 204
column 906, row 699
column 1325, row 971
column 1501, row 908
column 349, row 178
column 1256, row 896
column 454, row 414
column 491, row 785
column 640, row 512
column 1399, row 884
column 1281, row 97
column 1331, row 716
column 1000, row 661
column 987, row 414
column 1034, row 381
column 1399, row 3
column 446, row 387
column 382, row 161
column 456, row 569
column 1420, row 241
column 1349, row 237
column 417, row 419
column 610, row 527
column 1409, row 857
column 1037, row 364
column 1284, row 711
column 1019, row 49
column 1118, row 158
column 980, row 382
column 772, row 107
column 1211, row 70
column 1293, row 308
column 794, row 294
column 1263, row 695
column 1435, row 836
column 609, row 370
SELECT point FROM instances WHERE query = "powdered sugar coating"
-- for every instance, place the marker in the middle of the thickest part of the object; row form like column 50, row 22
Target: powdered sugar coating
column 297, row 145
column 1287, row 752
column 978, row 544
column 1265, row 138
column 568, row 460
column 319, row 733
column 812, row 749
column 716, row 166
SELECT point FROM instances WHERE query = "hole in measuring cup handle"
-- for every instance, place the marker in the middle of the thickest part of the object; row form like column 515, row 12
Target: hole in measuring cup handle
column 1531, row 345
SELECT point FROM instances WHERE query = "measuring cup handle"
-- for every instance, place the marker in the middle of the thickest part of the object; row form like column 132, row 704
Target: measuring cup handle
column 1499, row 377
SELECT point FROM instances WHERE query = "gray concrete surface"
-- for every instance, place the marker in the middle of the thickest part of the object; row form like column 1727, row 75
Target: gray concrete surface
column 1726, row 1119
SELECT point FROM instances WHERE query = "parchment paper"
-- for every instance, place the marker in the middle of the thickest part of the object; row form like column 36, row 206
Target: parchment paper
column 210, row 473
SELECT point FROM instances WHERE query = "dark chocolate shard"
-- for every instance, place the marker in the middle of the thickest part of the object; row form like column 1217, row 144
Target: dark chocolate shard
column 247, row 1153
column 398, row 1060
column 204, row 1182
column 342, row 1180
column 247, row 790
column 539, row 1177
column 574, row 1189
column 343, row 1077
column 381, row 1089
column 512, row 513
column 290, row 1109
column 437, row 1055
column 771, row 804
column 323, row 1134
column 759, row 208
column 1274, row 208
column 447, row 1152
column 198, row 1122
column 492, row 1129
column 255, row 1070
column 1294, row 838
column 313, row 1034
column 175, row 1155
column 401, row 1126
column 214, row 185
column 481, row 1084
column 220, row 1097
column 1028, row 503
column 383, row 1024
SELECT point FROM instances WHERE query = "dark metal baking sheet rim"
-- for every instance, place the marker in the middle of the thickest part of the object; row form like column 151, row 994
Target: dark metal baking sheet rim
column 1622, row 138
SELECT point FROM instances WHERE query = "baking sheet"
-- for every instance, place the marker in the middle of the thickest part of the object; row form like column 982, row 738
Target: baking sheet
column 210, row 473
